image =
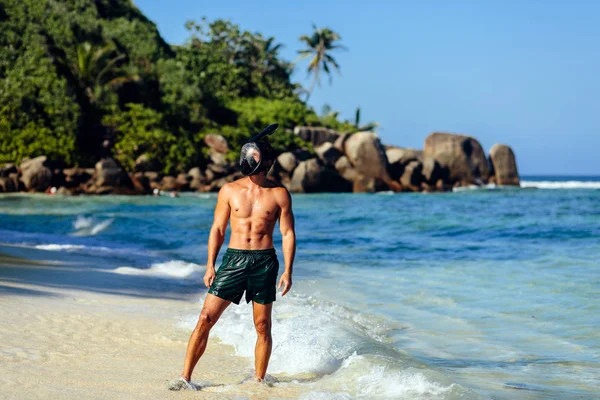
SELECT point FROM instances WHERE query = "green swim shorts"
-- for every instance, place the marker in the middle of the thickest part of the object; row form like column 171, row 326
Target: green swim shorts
column 253, row 271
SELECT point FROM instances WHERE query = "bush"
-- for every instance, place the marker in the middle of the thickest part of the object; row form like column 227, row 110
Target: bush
column 140, row 130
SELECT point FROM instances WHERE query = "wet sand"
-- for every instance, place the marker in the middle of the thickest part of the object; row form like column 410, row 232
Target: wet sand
column 71, row 330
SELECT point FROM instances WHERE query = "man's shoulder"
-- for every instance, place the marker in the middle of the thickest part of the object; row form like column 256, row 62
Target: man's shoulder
column 281, row 193
column 230, row 188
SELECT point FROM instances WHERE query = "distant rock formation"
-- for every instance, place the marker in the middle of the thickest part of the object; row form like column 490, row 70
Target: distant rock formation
column 316, row 135
column 350, row 162
column 462, row 155
column 504, row 165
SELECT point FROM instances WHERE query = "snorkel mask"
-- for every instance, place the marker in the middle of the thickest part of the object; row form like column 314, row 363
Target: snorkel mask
column 256, row 153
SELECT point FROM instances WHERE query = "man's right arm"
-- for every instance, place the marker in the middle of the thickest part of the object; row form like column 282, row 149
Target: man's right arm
column 217, row 233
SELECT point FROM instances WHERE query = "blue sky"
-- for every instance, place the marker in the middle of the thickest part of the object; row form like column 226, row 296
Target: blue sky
column 524, row 73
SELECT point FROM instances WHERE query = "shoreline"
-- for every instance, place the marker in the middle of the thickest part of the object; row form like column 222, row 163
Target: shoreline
column 69, row 339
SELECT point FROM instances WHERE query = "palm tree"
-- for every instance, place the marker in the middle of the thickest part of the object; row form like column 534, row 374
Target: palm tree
column 319, row 46
column 97, row 68
column 370, row 126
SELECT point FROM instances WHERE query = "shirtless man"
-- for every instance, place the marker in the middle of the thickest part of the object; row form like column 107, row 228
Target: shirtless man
column 253, row 205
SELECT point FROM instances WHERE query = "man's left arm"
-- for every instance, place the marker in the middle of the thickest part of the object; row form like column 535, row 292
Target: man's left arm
column 286, row 226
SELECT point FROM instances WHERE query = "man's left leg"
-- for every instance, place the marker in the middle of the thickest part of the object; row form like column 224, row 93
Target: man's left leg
column 264, row 342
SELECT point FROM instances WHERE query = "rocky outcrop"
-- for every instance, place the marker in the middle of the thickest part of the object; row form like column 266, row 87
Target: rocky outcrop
column 403, row 155
column 287, row 162
column 216, row 143
column 462, row 155
column 339, row 163
column 312, row 176
column 7, row 185
column 328, row 154
column 367, row 156
column 110, row 178
column 504, row 165
column 36, row 174
column 398, row 158
column 75, row 177
column 345, row 169
column 316, row 135
column 432, row 171
column 412, row 176
column 8, row 169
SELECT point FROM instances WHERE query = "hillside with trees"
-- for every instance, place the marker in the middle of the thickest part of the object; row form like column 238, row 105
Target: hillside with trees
column 84, row 79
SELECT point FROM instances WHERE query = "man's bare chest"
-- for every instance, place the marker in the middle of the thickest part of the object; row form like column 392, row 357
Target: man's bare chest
column 262, row 207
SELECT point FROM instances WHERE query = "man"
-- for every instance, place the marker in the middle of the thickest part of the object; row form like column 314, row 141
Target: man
column 253, row 204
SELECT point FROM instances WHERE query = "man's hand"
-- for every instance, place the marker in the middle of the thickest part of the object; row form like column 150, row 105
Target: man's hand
column 209, row 276
column 286, row 282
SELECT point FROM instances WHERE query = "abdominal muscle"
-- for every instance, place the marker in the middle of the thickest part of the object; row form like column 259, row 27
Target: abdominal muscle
column 251, row 233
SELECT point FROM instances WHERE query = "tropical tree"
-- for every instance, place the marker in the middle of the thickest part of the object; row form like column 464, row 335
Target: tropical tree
column 97, row 68
column 369, row 126
column 319, row 46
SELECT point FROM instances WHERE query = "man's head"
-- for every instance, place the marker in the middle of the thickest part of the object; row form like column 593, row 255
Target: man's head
column 256, row 157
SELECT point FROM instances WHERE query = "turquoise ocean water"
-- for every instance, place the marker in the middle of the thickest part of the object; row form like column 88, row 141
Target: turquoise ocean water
column 489, row 293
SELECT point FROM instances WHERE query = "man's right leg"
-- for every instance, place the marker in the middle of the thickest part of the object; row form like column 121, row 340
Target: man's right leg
column 211, row 311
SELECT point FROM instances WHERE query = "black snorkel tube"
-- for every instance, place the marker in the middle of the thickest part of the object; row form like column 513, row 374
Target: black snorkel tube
column 269, row 130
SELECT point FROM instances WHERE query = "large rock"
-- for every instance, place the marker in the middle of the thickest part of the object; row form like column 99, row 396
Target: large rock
column 76, row 176
column 168, row 183
column 403, row 155
column 363, row 184
column 345, row 169
column 287, row 162
column 398, row 158
column 432, row 171
column 316, row 135
column 7, row 185
column 340, row 142
column 504, row 165
column 19, row 187
column 366, row 154
column 106, row 163
column 328, row 154
column 109, row 177
column 8, row 169
column 312, row 176
column 462, row 155
column 196, row 173
column 183, row 182
column 217, row 143
column 112, row 177
column 36, row 174
column 412, row 176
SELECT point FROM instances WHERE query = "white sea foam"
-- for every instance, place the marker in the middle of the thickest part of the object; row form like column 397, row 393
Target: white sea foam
column 377, row 377
column 183, row 272
column 82, row 222
column 561, row 184
column 72, row 247
column 311, row 338
column 87, row 226
column 322, row 339
column 489, row 186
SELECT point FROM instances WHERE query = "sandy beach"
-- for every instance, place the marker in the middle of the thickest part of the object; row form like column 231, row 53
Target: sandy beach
column 71, row 333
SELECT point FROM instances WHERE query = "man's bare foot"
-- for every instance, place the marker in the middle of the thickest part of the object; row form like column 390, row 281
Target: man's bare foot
column 182, row 384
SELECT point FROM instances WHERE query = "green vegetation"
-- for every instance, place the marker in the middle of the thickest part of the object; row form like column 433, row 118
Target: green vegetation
column 84, row 79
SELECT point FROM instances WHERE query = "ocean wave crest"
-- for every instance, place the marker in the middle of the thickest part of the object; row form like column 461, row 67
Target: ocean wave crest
column 561, row 184
column 183, row 272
